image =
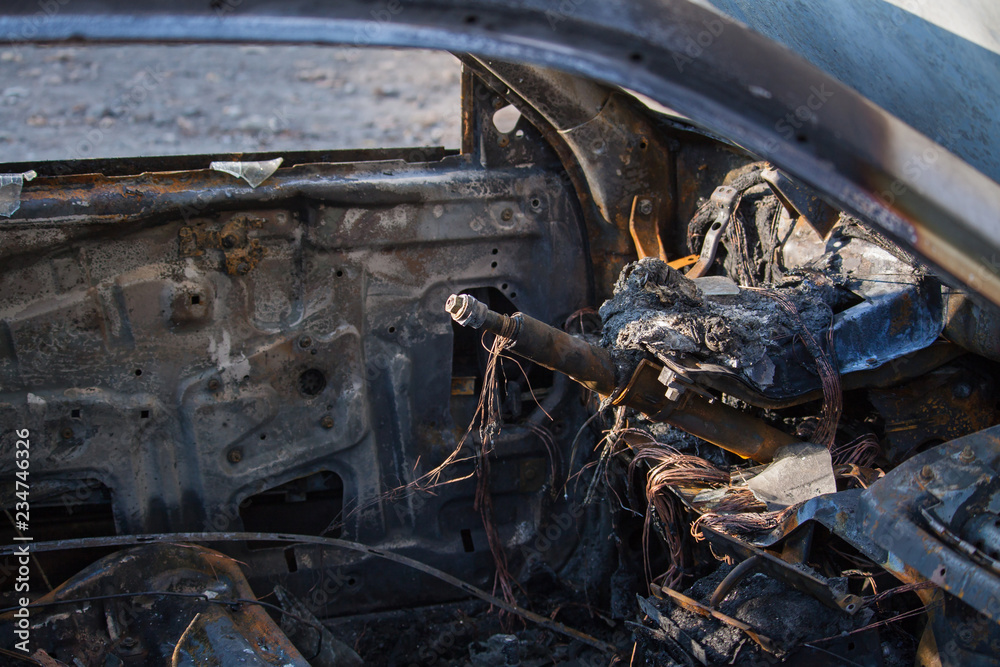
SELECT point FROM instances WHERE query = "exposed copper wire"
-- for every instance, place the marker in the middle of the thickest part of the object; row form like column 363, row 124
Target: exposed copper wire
column 743, row 523
column 668, row 468
column 862, row 451
column 489, row 428
column 895, row 619
column 905, row 588
column 828, row 374
column 578, row 316
column 739, row 499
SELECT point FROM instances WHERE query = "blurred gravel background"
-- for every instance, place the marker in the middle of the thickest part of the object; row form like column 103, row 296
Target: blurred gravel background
column 115, row 101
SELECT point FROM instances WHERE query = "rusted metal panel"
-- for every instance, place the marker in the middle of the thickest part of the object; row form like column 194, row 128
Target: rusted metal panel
column 162, row 604
column 203, row 348
column 739, row 84
column 954, row 482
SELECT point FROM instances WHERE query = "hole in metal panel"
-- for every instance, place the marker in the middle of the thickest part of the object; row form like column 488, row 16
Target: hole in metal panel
column 506, row 119
column 467, row 543
column 304, row 506
column 312, row 382
column 290, row 561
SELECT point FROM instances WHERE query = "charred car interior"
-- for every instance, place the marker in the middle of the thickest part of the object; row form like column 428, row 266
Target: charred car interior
column 613, row 383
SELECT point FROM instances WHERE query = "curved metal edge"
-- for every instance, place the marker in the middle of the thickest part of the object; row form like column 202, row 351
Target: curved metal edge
column 706, row 66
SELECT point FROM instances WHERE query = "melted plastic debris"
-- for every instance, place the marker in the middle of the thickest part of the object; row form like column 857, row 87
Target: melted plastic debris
column 717, row 286
column 655, row 309
column 10, row 191
column 253, row 173
column 798, row 473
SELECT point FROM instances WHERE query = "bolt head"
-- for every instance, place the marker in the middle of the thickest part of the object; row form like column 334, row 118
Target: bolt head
column 67, row 433
column 229, row 241
column 967, row 455
column 455, row 304
column 235, row 455
column 645, row 206
column 305, row 341
column 326, row 422
column 927, row 473
column 214, row 384
column 506, row 214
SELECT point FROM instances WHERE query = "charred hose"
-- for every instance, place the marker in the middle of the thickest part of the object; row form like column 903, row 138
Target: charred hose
column 592, row 367
column 547, row 346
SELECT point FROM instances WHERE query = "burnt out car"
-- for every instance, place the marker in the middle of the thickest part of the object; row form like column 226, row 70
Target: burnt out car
column 688, row 355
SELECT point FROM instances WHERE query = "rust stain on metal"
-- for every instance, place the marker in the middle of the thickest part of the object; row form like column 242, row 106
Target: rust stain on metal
column 463, row 386
column 240, row 252
column 644, row 227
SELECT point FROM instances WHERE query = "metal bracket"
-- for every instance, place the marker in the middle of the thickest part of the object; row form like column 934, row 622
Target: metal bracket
column 802, row 202
column 643, row 226
column 724, row 197
column 797, row 576
column 646, row 387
